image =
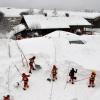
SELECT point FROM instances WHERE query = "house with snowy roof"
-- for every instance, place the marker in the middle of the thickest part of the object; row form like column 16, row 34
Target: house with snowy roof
column 92, row 17
column 44, row 25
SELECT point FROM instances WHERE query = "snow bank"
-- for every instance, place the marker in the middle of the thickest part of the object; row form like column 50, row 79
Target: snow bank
column 57, row 50
column 86, row 55
column 59, row 34
column 37, row 46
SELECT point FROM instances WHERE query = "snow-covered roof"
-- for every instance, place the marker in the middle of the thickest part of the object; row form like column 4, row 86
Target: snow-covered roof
column 62, row 34
column 19, row 28
column 42, row 22
column 87, row 15
column 16, row 29
column 12, row 12
column 75, row 20
column 59, row 34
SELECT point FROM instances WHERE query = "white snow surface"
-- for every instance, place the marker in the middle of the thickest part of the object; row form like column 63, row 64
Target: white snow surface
column 12, row 12
column 88, row 15
column 51, row 49
column 15, row 30
column 42, row 22
column 15, row 12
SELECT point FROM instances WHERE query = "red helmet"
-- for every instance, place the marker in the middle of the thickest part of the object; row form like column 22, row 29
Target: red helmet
column 33, row 57
column 54, row 66
column 23, row 74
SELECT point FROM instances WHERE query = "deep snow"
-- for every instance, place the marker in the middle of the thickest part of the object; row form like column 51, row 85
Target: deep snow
column 51, row 49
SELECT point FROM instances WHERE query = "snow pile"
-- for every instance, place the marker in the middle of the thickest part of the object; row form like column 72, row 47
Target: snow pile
column 62, row 34
column 51, row 49
column 86, row 54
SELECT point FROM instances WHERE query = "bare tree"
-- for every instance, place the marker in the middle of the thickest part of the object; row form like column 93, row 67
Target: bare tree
column 31, row 11
column 41, row 11
column 54, row 12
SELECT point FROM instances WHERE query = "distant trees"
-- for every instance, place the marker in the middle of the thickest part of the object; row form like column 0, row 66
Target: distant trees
column 24, row 13
column 41, row 11
column 1, row 15
column 4, row 23
column 29, row 12
column 89, row 10
column 54, row 12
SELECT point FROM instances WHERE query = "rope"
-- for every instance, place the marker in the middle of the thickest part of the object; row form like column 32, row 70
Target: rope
column 51, row 91
column 78, row 80
column 67, row 76
column 9, row 53
column 9, row 80
column 81, row 79
column 22, row 52
column 17, row 70
column 22, row 60
column 55, row 55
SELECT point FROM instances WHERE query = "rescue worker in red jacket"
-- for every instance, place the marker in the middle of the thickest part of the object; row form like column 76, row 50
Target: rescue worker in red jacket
column 92, row 79
column 25, row 80
column 7, row 97
column 54, row 73
column 32, row 64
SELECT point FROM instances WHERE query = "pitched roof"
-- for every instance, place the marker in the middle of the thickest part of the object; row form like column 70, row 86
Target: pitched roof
column 87, row 15
column 42, row 22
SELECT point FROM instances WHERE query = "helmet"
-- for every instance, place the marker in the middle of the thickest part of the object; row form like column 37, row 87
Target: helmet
column 54, row 66
column 8, row 95
column 72, row 68
column 93, row 72
column 23, row 74
column 33, row 57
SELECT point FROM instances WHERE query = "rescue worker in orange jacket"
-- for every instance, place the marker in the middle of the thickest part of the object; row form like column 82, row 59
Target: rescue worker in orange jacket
column 92, row 79
column 25, row 80
column 7, row 97
column 54, row 73
column 32, row 64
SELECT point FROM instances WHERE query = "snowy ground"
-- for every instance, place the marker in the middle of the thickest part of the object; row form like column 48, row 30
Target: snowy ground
column 51, row 49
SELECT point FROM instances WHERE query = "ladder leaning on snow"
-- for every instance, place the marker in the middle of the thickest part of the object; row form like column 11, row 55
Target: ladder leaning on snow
column 21, row 53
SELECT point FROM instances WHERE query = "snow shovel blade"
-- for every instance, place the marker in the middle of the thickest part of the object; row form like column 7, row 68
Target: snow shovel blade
column 38, row 66
column 48, row 79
